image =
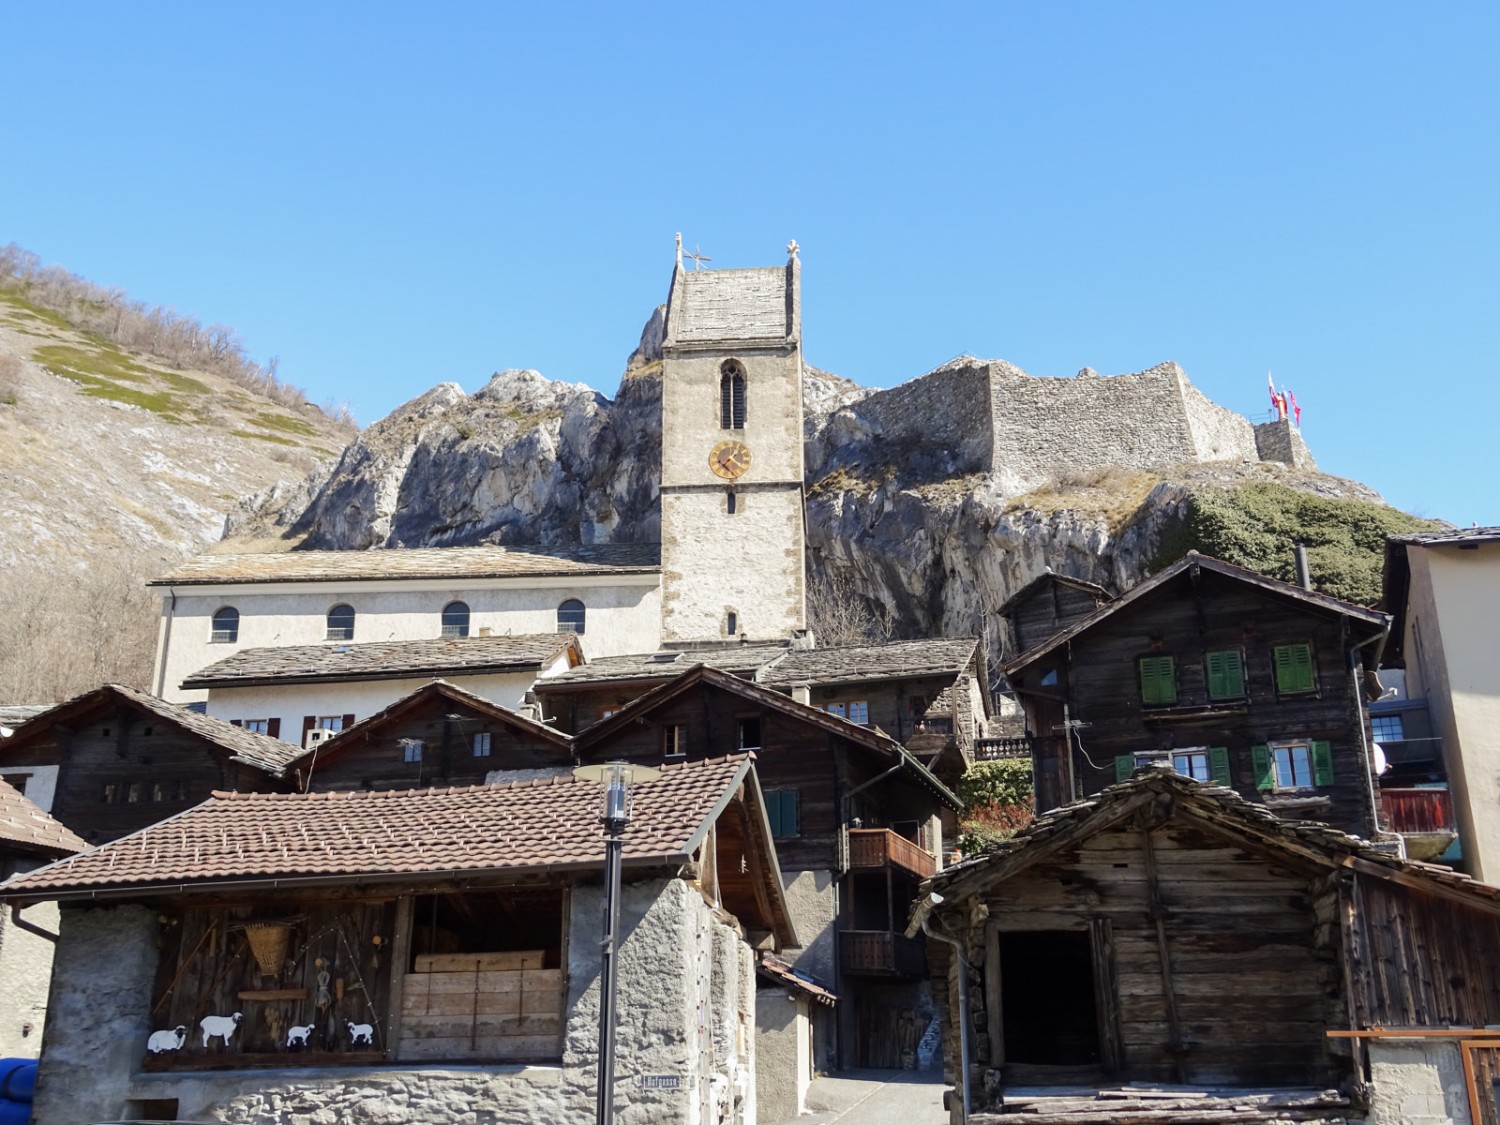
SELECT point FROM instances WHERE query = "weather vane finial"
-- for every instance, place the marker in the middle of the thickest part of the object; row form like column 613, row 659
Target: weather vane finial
column 697, row 256
column 679, row 249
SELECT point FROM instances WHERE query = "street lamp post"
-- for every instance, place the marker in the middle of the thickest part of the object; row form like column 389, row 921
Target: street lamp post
column 616, row 777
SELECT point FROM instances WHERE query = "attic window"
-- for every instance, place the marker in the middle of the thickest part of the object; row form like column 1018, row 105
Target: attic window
column 340, row 623
column 456, row 619
column 411, row 749
column 226, row 627
column 731, row 396
column 665, row 657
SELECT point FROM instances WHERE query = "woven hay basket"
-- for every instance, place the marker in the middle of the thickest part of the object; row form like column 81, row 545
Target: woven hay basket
column 268, row 942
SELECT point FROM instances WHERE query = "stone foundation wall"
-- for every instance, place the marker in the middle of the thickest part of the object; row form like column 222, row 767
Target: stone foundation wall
column 99, row 1020
column 1417, row 1082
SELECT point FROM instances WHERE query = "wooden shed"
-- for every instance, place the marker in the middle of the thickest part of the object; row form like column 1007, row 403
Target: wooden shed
column 1170, row 932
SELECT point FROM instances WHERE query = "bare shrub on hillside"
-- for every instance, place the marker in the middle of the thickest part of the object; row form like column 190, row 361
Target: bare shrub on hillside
column 840, row 615
column 66, row 633
column 155, row 330
column 10, row 379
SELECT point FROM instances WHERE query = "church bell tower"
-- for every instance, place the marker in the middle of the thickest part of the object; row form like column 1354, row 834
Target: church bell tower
column 731, row 461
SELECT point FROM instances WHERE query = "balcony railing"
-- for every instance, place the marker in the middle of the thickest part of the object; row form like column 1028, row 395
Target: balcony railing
column 878, row 847
column 1418, row 810
column 995, row 749
column 881, row 953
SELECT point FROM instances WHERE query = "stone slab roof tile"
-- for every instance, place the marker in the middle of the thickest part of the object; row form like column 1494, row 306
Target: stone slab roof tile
column 25, row 826
column 1456, row 535
column 388, row 835
column 857, row 663
column 748, row 304
column 738, row 660
column 382, row 659
column 422, row 562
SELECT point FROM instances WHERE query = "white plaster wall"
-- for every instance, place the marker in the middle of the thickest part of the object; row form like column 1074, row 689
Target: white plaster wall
column 360, row 698
column 1462, row 679
column 1417, row 1082
column 812, row 899
column 782, row 1043
column 750, row 562
column 41, row 784
column 25, row 973
column 623, row 616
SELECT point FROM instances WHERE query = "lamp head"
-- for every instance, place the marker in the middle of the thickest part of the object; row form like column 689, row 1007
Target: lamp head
column 617, row 778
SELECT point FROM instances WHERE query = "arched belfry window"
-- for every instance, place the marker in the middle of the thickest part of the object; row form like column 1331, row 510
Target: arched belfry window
column 456, row 619
column 570, row 616
column 732, row 396
column 341, row 623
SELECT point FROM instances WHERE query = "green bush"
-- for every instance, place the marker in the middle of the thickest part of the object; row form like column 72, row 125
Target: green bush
column 1006, row 782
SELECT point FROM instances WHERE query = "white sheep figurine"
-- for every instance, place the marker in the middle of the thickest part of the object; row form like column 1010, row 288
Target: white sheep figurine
column 222, row 1026
column 298, row 1036
column 168, row 1040
column 361, row 1033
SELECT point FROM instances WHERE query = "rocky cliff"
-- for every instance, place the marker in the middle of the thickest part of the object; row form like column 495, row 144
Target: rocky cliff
column 893, row 519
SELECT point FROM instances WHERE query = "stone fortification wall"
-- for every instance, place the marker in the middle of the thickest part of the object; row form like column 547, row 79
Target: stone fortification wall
column 1218, row 434
column 1281, row 441
column 947, row 409
column 1044, row 426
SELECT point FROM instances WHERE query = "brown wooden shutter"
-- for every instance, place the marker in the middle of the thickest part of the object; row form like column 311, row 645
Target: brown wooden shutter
column 308, row 722
column 236, row 722
column 273, row 727
column 348, row 722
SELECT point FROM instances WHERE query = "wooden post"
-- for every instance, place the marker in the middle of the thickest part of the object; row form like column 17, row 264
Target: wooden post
column 1158, row 912
column 400, row 958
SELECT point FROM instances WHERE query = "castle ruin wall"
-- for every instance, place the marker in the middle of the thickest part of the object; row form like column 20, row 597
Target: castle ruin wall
column 947, row 409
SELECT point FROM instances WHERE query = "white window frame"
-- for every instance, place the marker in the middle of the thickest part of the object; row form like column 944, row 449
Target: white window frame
column 1289, row 750
column 411, row 749
column 1196, row 760
column 481, row 745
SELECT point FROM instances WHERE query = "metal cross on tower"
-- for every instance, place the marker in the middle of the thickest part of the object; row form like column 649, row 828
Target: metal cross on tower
column 697, row 257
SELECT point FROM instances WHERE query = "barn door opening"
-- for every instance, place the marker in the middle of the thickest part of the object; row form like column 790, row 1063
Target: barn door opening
column 1047, row 998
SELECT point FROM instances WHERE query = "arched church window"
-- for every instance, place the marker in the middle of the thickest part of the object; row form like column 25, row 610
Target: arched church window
column 732, row 396
column 340, row 623
column 456, row 619
column 226, row 626
column 570, row 616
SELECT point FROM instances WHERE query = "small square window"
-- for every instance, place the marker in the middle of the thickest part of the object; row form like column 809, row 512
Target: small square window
column 482, row 745
column 1293, row 765
column 259, row 726
column 411, row 749
column 1193, row 764
column 1387, row 728
column 674, row 740
column 837, row 709
column 859, row 712
column 749, row 732
column 1158, row 675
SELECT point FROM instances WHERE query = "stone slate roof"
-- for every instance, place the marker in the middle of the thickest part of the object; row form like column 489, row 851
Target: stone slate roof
column 1215, row 804
column 380, row 660
column 258, row 750
column 1455, row 535
column 393, row 835
column 1365, row 620
column 422, row 562
column 737, row 660
column 13, row 716
column 730, row 305
column 25, row 827
column 861, row 663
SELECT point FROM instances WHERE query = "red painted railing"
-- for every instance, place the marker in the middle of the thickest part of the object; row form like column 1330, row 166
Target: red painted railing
column 1418, row 810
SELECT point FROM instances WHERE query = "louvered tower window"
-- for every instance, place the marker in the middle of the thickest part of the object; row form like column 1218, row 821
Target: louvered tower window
column 732, row 396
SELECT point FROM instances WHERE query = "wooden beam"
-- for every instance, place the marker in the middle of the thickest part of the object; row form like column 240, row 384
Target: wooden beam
column 400, row 954
column 1158, row 912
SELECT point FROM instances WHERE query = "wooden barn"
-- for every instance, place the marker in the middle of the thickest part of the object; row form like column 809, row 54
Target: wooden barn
column 1170, row 934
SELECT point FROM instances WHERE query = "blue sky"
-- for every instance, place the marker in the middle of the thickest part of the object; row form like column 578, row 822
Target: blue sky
column 389, row 196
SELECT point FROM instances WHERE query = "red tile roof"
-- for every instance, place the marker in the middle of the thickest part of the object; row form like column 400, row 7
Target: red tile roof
column 25, row 827
column 391, row 836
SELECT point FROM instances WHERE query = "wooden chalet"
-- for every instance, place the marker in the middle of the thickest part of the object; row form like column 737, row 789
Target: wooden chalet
column 439, row 735
column 112, row 761
column 1169, row 933
column 1228, row 675
column 341, row 934
column 1045, row 606
column 857, row 823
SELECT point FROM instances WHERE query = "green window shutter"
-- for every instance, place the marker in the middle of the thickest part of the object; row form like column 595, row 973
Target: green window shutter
column 1226, row 674
column 1158, row 679
column 1218, row 765
column 1124, row 767
column 1322, row 763
column 790, row 814
column 773, row 811
column 1294, row 667
column 1265, row 769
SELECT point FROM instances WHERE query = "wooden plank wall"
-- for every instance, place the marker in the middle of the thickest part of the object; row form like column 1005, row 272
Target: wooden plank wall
column 1252, row 987
column 1103, row 690
column 470, row 1006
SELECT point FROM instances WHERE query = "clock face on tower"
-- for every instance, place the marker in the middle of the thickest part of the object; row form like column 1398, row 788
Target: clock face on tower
column 729, row 459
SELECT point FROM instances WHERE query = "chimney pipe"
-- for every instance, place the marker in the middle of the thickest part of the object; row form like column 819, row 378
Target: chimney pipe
column 802, row 693
column 1304, row 575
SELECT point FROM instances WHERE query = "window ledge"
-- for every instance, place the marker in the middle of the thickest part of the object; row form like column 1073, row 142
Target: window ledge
column 1180, row 714
column 1291, row 800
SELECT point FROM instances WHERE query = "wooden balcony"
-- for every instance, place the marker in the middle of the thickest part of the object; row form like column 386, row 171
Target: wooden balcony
column 1418, row 810
column 880, row 847
column 881, row 953
column 1001, row 749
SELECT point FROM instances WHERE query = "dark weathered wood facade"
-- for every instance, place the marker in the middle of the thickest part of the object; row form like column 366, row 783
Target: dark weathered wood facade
column 438, row 735
column 1145, row 675
column 1045, row 606
column 1169, row 931
column 125, row 761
